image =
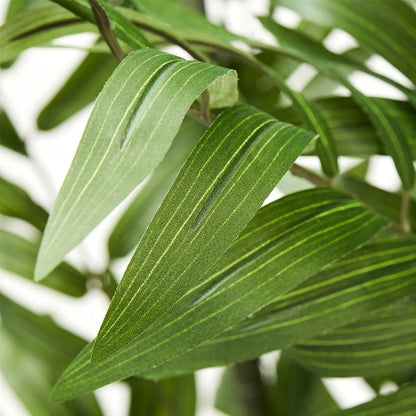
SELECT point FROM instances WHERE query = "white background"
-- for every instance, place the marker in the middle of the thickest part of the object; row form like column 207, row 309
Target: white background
column 27, row 86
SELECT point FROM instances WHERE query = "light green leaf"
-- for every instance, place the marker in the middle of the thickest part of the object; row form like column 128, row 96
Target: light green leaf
column 286, row 242
column 15, row 202
column 33, row 351
column 9, row 136
column 133, row 223
column 367, row 22
column 391, row 132
column 81, row 88
column 18, row 255
column 383, row 342
column 224, row 182
column 133, row 123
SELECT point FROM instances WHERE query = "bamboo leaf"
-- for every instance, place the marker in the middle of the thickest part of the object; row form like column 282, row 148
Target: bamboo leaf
column 130, row 129
column 224, row 182
column 367, row 22
column 15, row 202
column 390, row 130
column 18, row 255
column 383, row 342
column 286, row 242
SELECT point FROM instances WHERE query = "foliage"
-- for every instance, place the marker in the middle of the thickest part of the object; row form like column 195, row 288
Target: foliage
column 326, row 273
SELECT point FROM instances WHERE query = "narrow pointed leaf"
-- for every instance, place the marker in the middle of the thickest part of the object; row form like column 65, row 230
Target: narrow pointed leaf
column 286, row 242
column 81, row 88
column 9, row 136
column 133, row 123
column 383, row 342
column 224, row 182
column 15, row 202
column 18, row 256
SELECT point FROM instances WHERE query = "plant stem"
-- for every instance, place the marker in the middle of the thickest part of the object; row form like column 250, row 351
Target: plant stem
column 404, row 213
column 312, row 177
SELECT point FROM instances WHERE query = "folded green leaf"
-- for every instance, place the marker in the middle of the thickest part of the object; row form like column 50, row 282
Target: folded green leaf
column 224, row 182
column 133, row 123
column 81, row 88
column 131, row 226
column 383, row 342
column 9, row 136
column 15, row 202
column 18, row 255
column 367, row 22
column 33, row 351
column 286, row 242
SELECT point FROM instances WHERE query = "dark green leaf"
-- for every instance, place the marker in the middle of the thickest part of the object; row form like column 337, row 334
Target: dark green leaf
column 9, row 136
column 234, row 168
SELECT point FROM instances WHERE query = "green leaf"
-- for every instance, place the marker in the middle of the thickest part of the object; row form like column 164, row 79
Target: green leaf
column 33, row 351
column 224, row 182
column 391, row 132
column 352, row 130
column 383, row 342
column 384, row 202
column 81, row 88
column 367, row 22
column 38, row 27
column 400, row 403
column 133, row 223
column 299, row 392
column 344, row 292
column 133, row 123
column 9, row 136
column 18, row 255
column 174, row 396
column 243, row 391
column 286, row 242
column 15, row 202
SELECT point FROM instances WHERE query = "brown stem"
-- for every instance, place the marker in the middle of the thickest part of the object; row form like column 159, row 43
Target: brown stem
column 312, row 177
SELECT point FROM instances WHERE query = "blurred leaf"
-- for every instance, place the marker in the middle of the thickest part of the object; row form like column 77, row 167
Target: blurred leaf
column 170, row 397
column 299, row 392
column 81, row 88
column 9, row 136
column 287, row 242
column 243, row 392
column 390, row 130
column 132, row 125
column 131, row 226
column 15, row 202
column 384, row 202
column 33, row 352
column 367, row 22
column 223, row 183
column 18, row 255
column 384, row 341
